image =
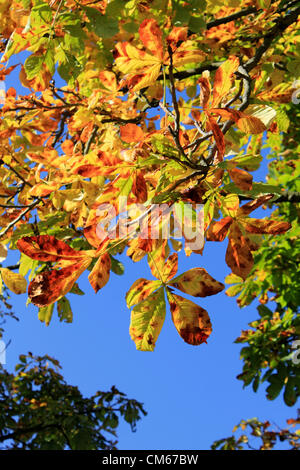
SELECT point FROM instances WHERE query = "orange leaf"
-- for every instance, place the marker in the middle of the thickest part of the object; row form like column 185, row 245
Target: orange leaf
column 151, row 37
column 131, row 133
column 238, row 255
column 48, row 286
column 177, row 34
column 170, row 268
column 245, row 122
column 205, row 91
column 252, row 205
column 250, row 124
column 99, row 275
column 44, row 189
column 48, row 248
column 223, row 79
column 241, row 178
column 218, row 230
column 272, row 227
column 139, row 187
column 219, row 137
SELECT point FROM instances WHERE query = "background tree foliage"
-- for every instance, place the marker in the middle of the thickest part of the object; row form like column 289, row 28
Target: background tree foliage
column 39, row 410
column 163, row 102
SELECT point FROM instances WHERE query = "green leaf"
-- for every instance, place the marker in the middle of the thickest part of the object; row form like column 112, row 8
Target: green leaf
column 64, row 310
column 182, row 16
column 196, row 24
column 290, row 395
column 147, row 319
column 70, row 68
column 102, row 25
column 275, row 387
column 282, row 120
column 264, row 311
column 45, row 314
column 258, row 189
column 116, row 266
column 247, row 162
column 33, row 65
column 76, row 290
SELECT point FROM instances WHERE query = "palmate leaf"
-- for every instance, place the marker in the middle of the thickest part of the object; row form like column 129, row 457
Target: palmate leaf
column 191, row 321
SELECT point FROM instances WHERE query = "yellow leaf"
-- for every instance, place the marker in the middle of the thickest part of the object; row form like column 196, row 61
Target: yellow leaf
column 14, row 281
column 3, row 252
column 147, row 319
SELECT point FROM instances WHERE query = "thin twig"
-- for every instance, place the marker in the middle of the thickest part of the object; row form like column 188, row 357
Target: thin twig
column 11, row 224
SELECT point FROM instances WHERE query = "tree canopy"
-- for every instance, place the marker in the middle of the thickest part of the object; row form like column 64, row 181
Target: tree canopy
column 136, row 114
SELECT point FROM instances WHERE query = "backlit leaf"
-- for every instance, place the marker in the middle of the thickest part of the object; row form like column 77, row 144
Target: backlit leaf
column 14, row 281
column 49, row 286
column 147, row 319
column 191, row 321
column 197, row 282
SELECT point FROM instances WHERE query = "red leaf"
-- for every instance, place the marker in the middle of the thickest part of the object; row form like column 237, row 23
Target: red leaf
column 49, row 286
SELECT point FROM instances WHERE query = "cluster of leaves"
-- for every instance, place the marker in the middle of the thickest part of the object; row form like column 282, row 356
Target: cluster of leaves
column 268, row 352
column 261, row 437
column 39, row 410
column 66, row 151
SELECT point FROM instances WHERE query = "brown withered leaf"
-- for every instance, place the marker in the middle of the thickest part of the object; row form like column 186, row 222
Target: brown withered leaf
column 48, row 248
column 238, row 255
column 99, row 275
column 246, row 209
column 170, row 267
column 219, row 138
column 241, row 178
column 139, row 187
column 272, row 227
column 197, row 282
column 191, row 321
column 49, row 286
column 218, row 230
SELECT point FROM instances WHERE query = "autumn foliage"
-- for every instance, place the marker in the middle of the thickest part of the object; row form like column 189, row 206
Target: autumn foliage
column 159, row 102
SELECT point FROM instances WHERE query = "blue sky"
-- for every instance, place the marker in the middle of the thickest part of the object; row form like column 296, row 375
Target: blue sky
column 191, row 393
